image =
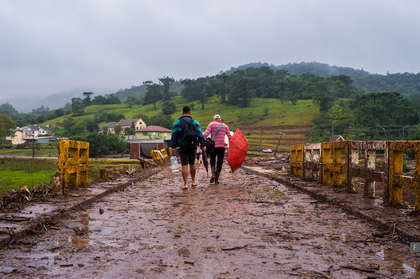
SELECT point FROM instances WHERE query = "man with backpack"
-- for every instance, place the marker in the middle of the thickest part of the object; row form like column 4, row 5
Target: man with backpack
column 186, row 135
column 217, row 130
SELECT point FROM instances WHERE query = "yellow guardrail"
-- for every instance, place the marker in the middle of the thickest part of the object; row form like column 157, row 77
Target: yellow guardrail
column 79, row 162
column 336, row 166
column 296, row 160
column 348, row 162
column 156, row 156
column 397, row 180
column 163, row 151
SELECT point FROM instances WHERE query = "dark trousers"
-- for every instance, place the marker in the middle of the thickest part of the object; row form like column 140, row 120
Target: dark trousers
column 218, row 152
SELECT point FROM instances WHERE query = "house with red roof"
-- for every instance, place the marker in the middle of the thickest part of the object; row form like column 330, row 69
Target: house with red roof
column 153, row 133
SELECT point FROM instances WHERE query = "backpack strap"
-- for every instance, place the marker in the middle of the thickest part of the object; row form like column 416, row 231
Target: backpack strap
column 217, row 130
column 191, row 121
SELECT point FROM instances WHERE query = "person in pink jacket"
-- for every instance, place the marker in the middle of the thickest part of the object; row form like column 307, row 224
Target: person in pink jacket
column 217, row 130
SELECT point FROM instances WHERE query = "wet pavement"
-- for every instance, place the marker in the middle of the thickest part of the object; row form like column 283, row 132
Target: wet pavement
column 248, row 226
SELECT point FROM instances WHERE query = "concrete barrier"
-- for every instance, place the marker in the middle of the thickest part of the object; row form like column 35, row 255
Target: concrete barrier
column 369, row 170
column 347, row 162
column 311, row 161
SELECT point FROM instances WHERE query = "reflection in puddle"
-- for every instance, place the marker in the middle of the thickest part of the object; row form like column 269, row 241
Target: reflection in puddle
column 76, row 241
column 378, row 203
column 393, row 255
column 38, row 208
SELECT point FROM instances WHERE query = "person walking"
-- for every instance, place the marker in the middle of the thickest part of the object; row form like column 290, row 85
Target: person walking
column 186, row 135
column 217, row 130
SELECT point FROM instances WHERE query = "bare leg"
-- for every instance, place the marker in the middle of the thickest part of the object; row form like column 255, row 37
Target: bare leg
column 184, row 171
column 193, row 169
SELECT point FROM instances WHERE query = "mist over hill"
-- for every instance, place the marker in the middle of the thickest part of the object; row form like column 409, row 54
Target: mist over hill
column 406, row 83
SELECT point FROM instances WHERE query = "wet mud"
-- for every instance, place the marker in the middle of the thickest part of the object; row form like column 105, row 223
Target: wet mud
column 248, row 226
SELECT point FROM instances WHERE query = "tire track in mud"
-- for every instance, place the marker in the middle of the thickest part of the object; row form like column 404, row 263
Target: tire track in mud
column 246, row 227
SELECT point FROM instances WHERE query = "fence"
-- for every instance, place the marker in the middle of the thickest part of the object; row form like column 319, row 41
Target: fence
column 348, row 162
column 78, row 166
column 368, row 170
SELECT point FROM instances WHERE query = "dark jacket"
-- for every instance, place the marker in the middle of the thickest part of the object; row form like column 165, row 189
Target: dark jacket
column 178, row 131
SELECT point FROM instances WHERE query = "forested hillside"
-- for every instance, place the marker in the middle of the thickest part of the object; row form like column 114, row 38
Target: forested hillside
column 342, row 108
column 406, row 83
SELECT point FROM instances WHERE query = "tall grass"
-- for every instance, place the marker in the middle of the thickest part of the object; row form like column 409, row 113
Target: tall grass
column 15, row 173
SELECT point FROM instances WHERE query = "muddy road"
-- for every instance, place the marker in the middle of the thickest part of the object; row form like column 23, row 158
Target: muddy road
column 246, row 227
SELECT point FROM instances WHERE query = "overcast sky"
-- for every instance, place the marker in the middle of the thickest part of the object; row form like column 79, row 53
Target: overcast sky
column 72, row 46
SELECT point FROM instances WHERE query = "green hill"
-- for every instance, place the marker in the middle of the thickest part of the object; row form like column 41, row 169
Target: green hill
column 406, row 83
column 267, row 115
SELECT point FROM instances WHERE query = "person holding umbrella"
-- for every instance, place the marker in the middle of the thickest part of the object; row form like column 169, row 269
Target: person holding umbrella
column 217, row 130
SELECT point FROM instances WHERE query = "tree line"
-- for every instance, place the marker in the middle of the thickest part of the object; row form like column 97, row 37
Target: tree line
column 371, row 116
column 339, row 100
column 408, row 84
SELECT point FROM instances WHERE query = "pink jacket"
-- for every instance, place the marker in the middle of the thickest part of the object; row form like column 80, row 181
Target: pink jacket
column 219, row 141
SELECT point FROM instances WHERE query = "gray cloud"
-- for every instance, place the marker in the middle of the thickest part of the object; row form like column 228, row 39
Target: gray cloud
column 52, row 46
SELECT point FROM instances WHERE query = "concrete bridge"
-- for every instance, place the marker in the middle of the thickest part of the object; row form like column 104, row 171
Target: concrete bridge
column 259, row 222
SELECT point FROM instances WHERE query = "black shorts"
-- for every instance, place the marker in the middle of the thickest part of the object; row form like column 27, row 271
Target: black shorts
column 187, row 157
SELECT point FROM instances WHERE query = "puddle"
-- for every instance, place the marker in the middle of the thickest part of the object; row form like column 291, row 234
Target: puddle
column 394, row 255
column 32, row 210
column 76, row 240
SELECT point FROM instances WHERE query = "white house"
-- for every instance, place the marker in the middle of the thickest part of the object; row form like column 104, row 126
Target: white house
column 19, row 137
column 35, row 131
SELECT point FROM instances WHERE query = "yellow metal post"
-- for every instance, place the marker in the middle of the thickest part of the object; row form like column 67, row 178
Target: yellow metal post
column 326, row 162
column 79, row 161
column 296, row 160
column 337, row 176
column 299, row 160
column 292, row 159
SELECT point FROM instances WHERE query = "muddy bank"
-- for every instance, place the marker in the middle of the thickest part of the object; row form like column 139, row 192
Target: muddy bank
column 22, row 219
column 249, row 226
column 403, row 221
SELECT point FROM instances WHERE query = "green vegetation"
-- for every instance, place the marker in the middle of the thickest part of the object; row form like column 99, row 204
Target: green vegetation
column 45, row 150
column 6, row 126
column 373, row 116
column 21, row 172
column 262, row 100
column 408, row 84
column 32, row 172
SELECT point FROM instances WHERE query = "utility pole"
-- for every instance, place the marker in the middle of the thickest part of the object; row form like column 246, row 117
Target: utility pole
column 259, row 149
column 275, row 151
column 332, row 130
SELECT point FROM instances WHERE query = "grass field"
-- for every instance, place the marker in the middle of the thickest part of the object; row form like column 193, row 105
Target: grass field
column 294, row 120
column 45, row 151
column 18, row 172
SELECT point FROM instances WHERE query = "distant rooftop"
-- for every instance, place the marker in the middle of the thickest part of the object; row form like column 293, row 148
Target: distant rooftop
column 155, row 129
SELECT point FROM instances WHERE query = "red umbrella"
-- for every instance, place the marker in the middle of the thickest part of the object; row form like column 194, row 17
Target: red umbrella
column 238, row 147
